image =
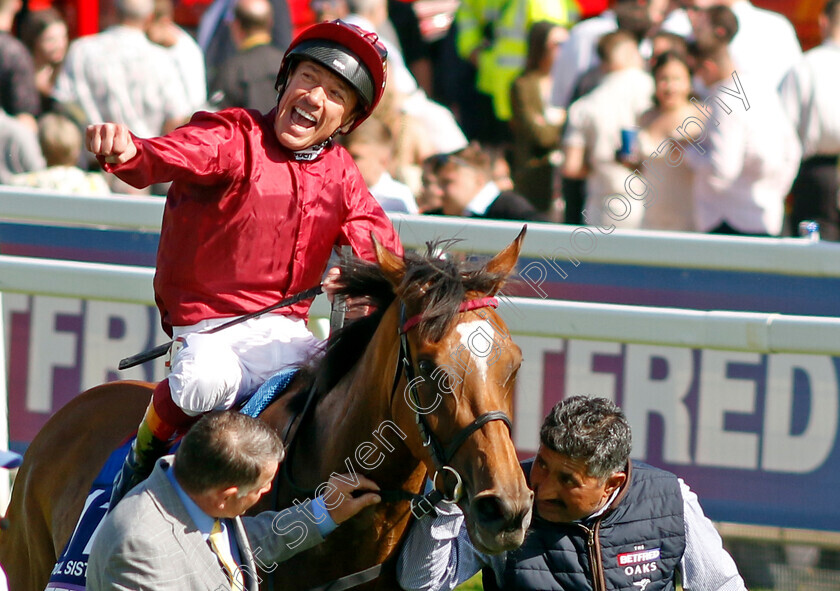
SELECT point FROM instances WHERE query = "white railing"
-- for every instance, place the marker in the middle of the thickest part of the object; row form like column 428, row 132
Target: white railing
column 789, row 256
column 741, row 331
column 675, row 327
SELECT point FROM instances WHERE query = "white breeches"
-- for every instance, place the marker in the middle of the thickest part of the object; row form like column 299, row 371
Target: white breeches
column 215, row 371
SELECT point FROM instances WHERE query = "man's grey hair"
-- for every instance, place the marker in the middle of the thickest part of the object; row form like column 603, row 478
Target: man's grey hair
column 225, row 449
column 591, row 430
column 135, row 9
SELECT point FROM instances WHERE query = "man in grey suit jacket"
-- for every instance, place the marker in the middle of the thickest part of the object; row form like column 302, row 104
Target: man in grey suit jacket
column 156, row 538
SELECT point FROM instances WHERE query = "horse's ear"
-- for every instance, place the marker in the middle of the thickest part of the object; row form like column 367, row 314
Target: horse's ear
column 393, row 266
column 504, row 262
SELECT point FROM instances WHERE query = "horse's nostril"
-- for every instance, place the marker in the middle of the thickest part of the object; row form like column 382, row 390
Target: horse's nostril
column 497, row 514
column 489, row 510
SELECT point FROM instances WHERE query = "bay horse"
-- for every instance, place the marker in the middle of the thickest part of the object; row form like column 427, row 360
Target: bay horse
column 423, row 385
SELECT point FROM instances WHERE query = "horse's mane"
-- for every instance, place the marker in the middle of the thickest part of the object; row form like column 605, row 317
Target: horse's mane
column 439, row 280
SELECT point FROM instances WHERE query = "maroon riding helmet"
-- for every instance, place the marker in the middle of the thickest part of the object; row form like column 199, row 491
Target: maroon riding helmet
column 351, row 53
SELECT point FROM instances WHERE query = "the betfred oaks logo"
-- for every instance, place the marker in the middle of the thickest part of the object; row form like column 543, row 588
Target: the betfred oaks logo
column 638, row 557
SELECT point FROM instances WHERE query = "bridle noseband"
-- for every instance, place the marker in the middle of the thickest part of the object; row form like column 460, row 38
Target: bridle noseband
column 440, row 455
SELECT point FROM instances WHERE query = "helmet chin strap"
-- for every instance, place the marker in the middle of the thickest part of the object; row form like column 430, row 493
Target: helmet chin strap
column 312, row 152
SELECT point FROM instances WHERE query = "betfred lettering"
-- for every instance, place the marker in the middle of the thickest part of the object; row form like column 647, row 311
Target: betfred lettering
column 638, row 557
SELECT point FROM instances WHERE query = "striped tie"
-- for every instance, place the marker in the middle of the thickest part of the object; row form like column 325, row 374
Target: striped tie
column 220, row 544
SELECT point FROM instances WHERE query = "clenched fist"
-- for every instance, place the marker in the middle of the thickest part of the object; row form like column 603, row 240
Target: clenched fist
column 111, row 140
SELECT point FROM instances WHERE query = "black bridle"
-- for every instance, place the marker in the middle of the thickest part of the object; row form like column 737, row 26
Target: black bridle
column 441, row 456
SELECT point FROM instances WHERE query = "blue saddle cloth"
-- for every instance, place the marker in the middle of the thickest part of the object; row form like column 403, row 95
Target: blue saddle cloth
column 70, row 572
column 268, row 392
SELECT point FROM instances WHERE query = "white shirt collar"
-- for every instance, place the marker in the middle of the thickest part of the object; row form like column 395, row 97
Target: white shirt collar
column 483, row 199
column 603, row 509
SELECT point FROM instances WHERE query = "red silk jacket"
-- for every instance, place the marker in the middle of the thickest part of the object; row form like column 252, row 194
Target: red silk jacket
column 245, row 224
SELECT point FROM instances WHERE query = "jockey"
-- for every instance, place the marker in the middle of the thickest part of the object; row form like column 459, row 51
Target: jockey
column 256, row 205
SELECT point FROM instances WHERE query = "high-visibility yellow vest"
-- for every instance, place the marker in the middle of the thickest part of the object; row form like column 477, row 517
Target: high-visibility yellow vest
column 503, row 56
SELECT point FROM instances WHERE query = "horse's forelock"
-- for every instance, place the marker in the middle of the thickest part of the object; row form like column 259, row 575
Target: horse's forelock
column 438, row 284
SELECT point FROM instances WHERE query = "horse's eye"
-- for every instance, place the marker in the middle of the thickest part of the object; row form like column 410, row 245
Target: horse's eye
column 425, row 366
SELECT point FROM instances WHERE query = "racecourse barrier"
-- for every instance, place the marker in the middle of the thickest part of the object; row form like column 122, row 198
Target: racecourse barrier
column 723, row 351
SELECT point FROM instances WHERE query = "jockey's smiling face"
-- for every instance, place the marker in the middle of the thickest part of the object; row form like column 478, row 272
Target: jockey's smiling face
column 314, row 104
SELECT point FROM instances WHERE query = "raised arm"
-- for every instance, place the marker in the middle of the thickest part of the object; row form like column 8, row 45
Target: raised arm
column 210, row 149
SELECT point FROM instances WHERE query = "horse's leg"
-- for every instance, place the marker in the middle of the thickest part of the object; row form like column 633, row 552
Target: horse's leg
column 55, row 477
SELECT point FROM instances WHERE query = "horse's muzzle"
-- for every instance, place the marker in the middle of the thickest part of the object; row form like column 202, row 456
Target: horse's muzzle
column 499, row 523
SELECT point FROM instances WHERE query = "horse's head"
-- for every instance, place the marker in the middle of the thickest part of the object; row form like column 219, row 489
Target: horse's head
column 456, row 398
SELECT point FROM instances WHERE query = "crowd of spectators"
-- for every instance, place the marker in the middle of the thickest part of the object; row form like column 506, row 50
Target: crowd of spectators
column 702, row 115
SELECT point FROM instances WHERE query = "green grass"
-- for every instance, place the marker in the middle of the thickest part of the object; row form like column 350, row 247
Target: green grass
column 474, row 584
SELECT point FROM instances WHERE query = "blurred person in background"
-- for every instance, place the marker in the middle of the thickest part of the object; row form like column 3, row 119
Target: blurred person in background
column 672, row 204
column 749, row 159
column 492, row 36
column 444, row 131
column 44, row 32
column 765, row 47
column 247, row 79
column 412, row 139
column 430, row 198
column 372, row 15
column 583, row 70
column 329, row 10
column 593, row 132
column 643, row 22
column 18, row 93
column 214, row 32
column 664, row 41
column 810, row 95
column 536, row 124
column 468, row 190
column 580, row 52
column 416, row 51
column 19, row 150
column 61, row 143
column 186, row 53
column 371, row 146
column 119, row 75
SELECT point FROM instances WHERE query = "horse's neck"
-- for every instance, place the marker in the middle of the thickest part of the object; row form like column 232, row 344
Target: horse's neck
column 358, row 410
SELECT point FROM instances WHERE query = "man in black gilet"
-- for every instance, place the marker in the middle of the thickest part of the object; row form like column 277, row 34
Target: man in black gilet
column 599, row 522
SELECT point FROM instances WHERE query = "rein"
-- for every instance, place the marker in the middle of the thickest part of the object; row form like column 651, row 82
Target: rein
column 421, row 505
